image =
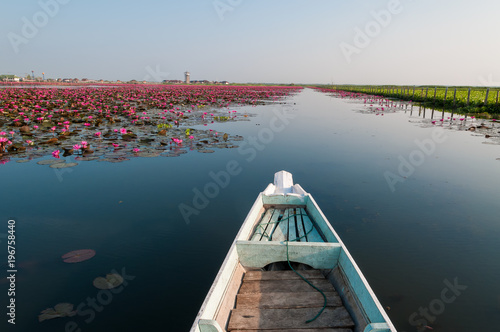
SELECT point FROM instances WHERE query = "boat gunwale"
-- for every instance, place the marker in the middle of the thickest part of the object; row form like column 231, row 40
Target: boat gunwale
column 246, row 230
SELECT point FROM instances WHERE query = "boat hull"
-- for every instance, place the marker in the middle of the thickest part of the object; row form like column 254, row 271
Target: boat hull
column 254, row 249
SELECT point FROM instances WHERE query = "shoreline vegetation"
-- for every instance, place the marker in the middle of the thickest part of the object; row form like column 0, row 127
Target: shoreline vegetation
column 481, row 102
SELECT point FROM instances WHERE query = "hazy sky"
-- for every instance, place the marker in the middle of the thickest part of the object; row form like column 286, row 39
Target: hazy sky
column 449, row 42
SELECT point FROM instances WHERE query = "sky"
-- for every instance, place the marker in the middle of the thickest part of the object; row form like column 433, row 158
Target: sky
column 412, row 42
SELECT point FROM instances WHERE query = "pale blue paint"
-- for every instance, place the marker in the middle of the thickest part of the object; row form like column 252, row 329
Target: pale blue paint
column 320, row 221
column 377, row 327
column 288, row 199
column 358, row 287
column 254, row 254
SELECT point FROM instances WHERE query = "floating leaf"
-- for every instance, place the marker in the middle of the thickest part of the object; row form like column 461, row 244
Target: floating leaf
column 112, row 280
column 59, row 310
column 78, row 255
column 63, row 165
column 86, row 158
column 64, row 308
column 50, row 161
column 148, row 154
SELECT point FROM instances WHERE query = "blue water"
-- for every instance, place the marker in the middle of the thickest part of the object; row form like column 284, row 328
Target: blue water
column 440, row 223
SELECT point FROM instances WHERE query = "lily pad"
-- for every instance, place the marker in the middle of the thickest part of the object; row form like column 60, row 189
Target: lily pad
column 206, row 151
column 112, row 280
column 59, row 310
column 63, row 165
column 77, row 256
column 64, row 308
column 50, row 161
column 86, row 158
column 148, row 154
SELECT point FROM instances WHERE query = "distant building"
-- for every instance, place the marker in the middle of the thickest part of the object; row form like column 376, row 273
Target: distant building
column 186, row 77
column 9, row 78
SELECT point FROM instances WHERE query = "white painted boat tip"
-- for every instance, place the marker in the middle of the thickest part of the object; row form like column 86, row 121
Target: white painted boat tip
column 283, row 186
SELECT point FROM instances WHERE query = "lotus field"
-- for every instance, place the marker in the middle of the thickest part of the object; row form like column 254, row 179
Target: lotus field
column 119, row 122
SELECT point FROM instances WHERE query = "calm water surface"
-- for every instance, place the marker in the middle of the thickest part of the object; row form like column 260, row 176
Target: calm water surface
column 440, row 224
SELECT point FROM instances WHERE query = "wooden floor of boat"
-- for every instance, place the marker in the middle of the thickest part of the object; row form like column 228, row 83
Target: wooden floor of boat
column 287, row 224
column 277, row 301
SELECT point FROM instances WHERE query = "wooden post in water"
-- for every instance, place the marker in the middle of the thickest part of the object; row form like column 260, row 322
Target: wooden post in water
column 444, row 102
column 486, row 98
column 434, row 103
column 425, row 99
column 454, row 103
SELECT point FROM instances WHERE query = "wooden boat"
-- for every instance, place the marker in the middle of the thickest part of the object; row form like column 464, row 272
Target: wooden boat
column 258, row 289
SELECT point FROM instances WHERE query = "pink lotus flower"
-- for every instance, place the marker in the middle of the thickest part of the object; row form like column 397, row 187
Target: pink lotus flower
column 55, row 154
column 77, row 147
column 86, row 124
column 115, row 130
column 191, row 137
column 123, row 131
column 136, row 150
column 35, row 127
column 97, row 134
column 115, row 145
column 53, row 128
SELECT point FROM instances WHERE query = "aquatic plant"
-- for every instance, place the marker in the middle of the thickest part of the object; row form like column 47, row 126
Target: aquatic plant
column 49, row 117
column 77, row 256
column 59, row 310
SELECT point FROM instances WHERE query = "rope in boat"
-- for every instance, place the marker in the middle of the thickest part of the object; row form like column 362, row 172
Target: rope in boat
column 288, row 258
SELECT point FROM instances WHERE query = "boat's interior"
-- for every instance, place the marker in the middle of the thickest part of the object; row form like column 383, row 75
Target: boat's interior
column 275, row 298
column 287, row 270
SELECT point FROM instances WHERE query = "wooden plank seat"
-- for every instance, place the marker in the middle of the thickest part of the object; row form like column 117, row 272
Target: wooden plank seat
column 281, row 301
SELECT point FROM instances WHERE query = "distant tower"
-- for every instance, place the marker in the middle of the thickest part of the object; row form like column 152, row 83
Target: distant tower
column 186, row 77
